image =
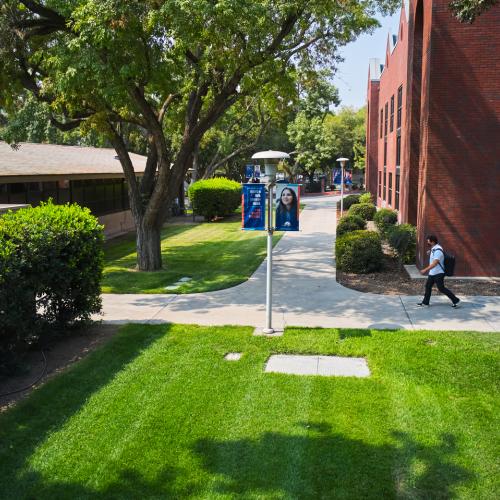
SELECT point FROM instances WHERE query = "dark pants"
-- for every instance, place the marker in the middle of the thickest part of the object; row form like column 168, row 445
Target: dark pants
column 438, row 279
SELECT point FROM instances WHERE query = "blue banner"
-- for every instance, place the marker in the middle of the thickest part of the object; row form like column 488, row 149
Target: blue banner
column 337, row 174
column 253, row 214
column 248, row 171
column 287, row 207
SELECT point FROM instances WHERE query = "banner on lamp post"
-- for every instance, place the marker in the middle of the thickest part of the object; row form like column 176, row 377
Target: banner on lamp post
column 287, row 207
column 253, row 201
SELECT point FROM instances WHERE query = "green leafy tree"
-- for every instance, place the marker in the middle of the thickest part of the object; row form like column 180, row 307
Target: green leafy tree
column 169, row 68
column 467, row 11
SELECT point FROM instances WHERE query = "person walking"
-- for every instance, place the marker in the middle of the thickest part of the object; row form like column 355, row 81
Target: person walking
column 436, row 273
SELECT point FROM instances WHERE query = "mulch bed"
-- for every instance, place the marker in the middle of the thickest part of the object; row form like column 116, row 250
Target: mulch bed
column 394, row 280
column 60, row 353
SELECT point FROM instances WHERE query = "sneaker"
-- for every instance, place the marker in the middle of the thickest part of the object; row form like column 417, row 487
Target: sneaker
column 455, row 305
column 422, row 304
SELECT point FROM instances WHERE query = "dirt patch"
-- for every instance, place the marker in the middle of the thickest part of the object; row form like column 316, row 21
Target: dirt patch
column 394, row 280
column 59, row 354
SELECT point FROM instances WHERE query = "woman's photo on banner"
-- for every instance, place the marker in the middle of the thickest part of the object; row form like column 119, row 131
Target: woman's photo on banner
column 287, row 207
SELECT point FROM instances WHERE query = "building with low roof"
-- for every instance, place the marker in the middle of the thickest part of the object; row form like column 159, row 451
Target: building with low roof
column 433, row 128
column 91, row 177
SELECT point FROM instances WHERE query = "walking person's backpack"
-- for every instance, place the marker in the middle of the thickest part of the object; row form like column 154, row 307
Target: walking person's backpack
column 449, row 264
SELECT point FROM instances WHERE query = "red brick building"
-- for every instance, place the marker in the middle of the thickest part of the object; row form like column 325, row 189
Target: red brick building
column 433, row 131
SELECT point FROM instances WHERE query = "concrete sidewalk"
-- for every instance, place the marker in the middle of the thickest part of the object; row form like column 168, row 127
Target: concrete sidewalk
column 305, row 293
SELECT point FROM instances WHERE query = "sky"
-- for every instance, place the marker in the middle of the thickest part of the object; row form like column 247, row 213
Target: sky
column 351, row 76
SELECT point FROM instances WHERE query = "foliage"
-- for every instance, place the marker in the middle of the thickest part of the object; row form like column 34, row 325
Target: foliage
column 359, row 252
column 349, row 201
column 403, row 239
column 214, row 255
column 366, row 198
column 216, row 197
column 349, row 223
column 364, row 210
column 384, row 218
column 169, row 69
column 51, row 262
column 345, row 133
column 467, row 11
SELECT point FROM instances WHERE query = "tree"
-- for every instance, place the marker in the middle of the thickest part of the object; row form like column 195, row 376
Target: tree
column 466, row 11
column 169, row 68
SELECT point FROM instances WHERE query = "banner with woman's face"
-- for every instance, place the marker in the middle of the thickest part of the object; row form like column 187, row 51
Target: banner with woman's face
column 287, row 207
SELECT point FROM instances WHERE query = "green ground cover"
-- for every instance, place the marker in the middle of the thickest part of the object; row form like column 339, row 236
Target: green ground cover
column 158, row 413
column 215, row 255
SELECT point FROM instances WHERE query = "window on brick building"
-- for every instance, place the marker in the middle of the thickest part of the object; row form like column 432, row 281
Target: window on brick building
column 400, row 106
column 390, row 189
column 396, row 189
column 379, row 183
column 384, row 192
column 392, row 114
column 398, row 148
column 381, row 122
column 386, row 117
column 385, row 151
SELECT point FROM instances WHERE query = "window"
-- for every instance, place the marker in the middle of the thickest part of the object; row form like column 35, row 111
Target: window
column 386, row 117
column 400, row 106
column 381, row 122
column 385, row 184
column 396, row 189
column 390, row 188
column 379, row 183
column 385, row 151
column 392, row 114
column 398, row 149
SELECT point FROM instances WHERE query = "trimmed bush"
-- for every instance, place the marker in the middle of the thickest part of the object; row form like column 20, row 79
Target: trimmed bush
column 385, row 218
column 349, row 223
column 51, row 263
column 403, row 239
column 216, row 197
column 366, row 198
column 349, row 200
column 363, row 210
column 359, row 252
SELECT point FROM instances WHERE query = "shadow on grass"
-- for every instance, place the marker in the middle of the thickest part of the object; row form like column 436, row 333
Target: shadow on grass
column 347, row 333
column 323, row 464
column 27, row 425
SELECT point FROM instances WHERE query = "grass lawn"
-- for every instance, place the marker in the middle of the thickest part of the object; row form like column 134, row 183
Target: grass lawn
column 158, row 413
column 215, row 255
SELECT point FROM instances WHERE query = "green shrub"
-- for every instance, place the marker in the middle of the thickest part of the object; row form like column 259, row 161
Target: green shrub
column 216, row 197
column 366, row 198
column 403, row 239
column 349, row 223
column 359, row 252
column 51, row 263
column 385, row 218
column 349, row 200
column 364, row 210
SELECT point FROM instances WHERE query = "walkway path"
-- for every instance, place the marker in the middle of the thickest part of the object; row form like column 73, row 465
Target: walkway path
column 305, row 293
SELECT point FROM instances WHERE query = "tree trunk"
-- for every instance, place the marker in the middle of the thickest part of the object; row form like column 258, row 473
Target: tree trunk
column 148, row 247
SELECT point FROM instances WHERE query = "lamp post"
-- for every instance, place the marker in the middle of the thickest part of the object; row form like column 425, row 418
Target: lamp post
column 342, row 161
column 271, row 160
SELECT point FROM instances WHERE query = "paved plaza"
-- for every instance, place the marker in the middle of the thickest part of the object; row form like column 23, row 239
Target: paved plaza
column 305, row 293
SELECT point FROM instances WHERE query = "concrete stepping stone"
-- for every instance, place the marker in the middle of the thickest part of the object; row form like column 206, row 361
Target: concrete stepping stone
column 233, row 356
column 172, row 287
column 184, row 280
column 327, row 366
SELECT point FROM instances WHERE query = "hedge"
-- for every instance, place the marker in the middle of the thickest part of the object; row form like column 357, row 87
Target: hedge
column 349, row 200
column 403, row 239
column 366, row 198
column 359, row 252
column 349, row 223
column 384, row 219
column 364, row 210
column 216, row 197
column 51, row 263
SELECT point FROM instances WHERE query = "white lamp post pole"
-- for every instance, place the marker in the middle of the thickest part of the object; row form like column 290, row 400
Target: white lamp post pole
column 271, row 159
column 342, row 166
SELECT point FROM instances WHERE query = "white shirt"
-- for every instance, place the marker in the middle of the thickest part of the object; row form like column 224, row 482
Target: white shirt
column 437, row 253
